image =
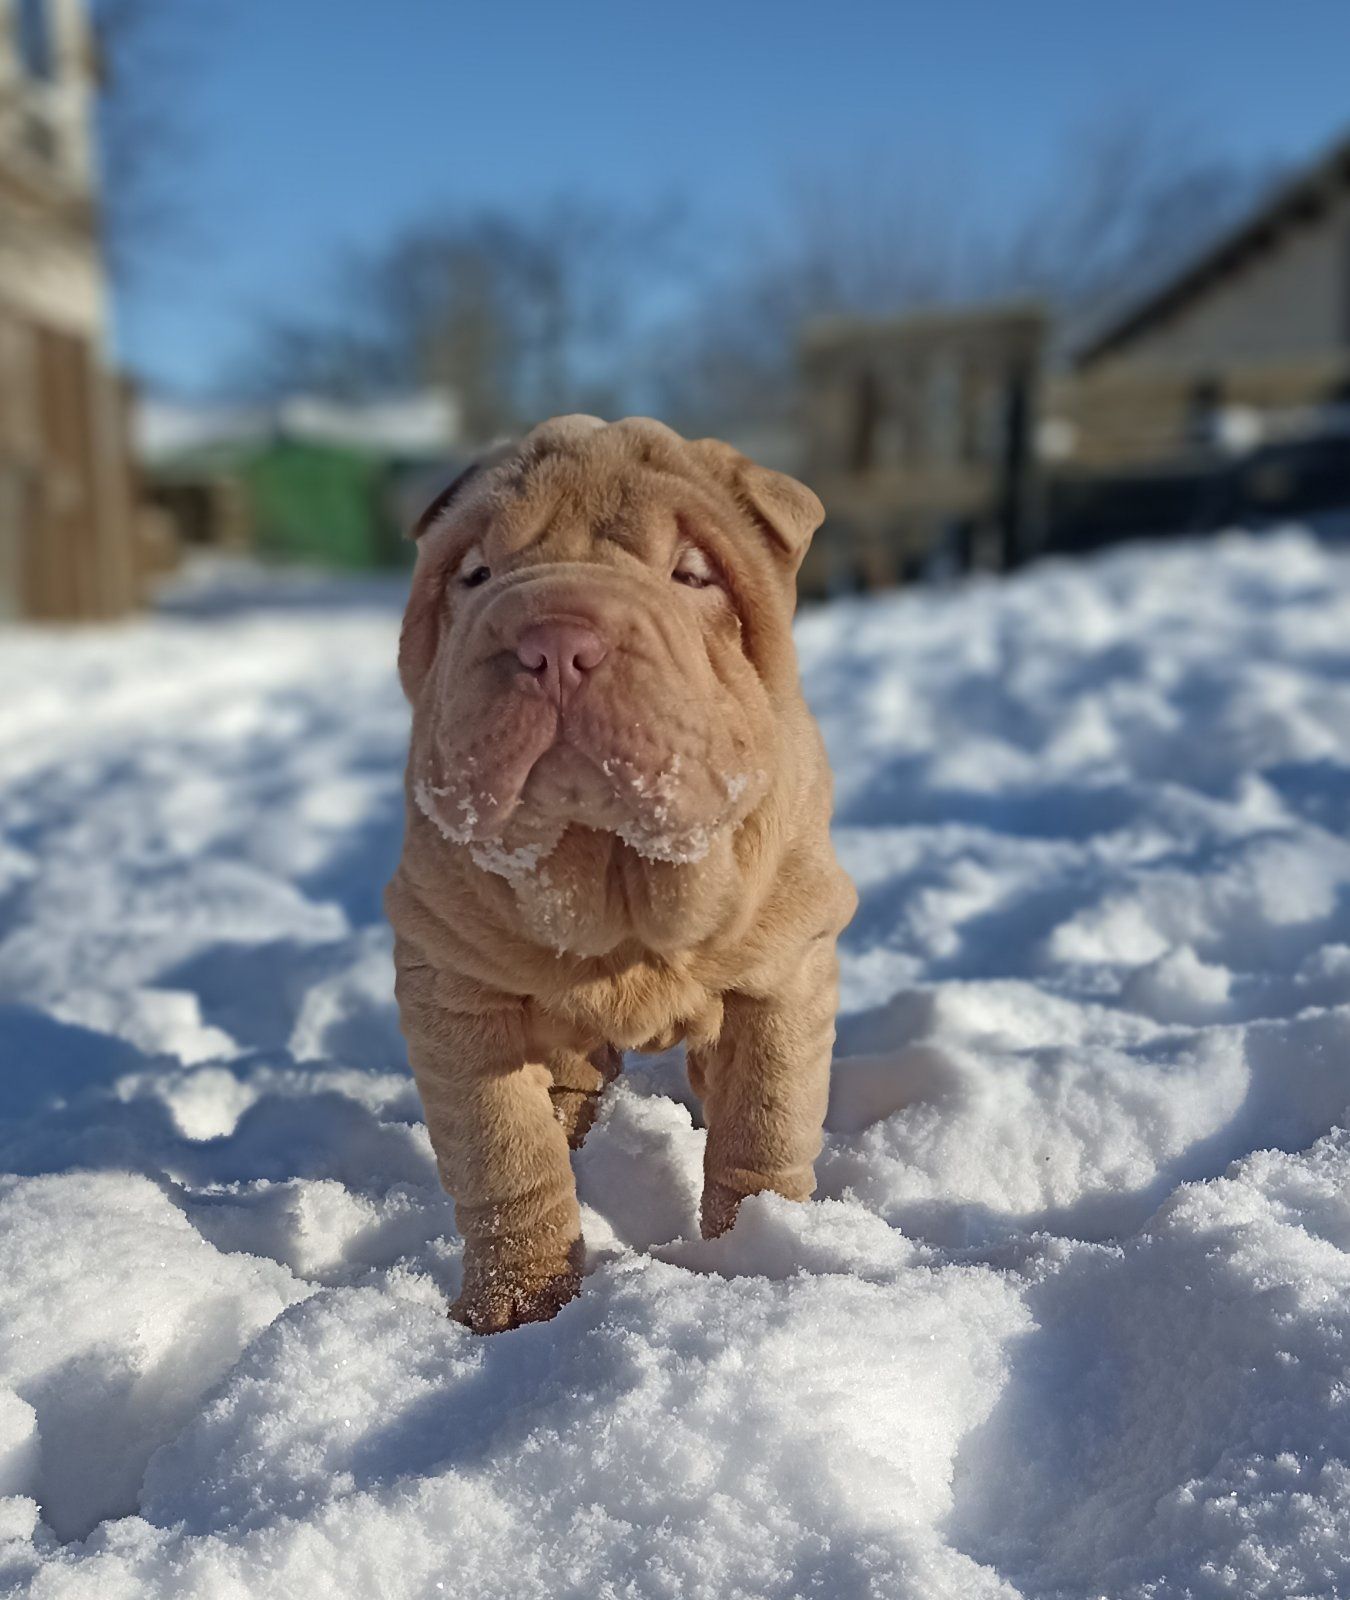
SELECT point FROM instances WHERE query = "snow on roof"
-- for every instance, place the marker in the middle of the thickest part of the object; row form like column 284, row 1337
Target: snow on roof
column 414, row 424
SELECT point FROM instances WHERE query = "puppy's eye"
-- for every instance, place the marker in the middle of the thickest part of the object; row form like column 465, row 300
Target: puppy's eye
column 473, row 570
column 693, row 569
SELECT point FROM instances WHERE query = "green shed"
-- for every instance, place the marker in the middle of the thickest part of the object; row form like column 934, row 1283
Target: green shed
column 320, row 502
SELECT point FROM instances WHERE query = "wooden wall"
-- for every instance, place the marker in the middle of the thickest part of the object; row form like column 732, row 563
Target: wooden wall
column 68, row 527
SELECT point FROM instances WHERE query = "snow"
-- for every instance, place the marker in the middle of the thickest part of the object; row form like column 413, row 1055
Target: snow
column 420, row 424
column 1070, row 1318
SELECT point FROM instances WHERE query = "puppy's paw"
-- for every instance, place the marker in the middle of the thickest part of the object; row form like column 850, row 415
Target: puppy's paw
column 499, row 1293
column 721, row 1201
column 576, row 1109
column 718, row 1209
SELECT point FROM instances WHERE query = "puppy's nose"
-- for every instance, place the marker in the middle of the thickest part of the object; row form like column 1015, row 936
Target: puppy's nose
column 560, row 654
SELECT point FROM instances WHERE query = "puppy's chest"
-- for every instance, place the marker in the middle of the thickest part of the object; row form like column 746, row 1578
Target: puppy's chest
column 646, row 1006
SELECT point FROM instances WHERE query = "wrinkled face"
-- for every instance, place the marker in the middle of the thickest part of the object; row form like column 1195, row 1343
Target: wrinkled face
column 593, row 640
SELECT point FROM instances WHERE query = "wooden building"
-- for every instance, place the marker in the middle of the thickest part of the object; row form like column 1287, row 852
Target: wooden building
column 68, row 522
column 977, row 436
column 1256, row 325
column 919, row 440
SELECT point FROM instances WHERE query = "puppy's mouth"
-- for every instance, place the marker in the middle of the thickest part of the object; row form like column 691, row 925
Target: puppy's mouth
column 472, row 795
column 514, row 808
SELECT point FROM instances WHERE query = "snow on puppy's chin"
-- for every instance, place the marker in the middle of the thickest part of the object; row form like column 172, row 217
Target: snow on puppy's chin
column 512, row 850
column 676, row 849
column 644, row 812
column 658, row 832
column 456, row 824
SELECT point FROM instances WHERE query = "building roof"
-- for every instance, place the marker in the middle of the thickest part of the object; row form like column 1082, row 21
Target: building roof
column 1301, row 199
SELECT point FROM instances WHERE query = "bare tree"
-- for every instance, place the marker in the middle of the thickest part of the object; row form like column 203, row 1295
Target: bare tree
column 1133, row 195
column 518, row 317
column 875, row 238
column 144, row 51
column 581, row 306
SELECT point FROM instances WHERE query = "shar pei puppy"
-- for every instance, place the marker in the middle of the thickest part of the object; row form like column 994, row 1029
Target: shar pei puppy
column 617, row 831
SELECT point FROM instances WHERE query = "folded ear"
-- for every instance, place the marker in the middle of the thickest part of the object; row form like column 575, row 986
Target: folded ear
column 420, row 634
column 441, row 504
column 787, row 511
column 459, row 485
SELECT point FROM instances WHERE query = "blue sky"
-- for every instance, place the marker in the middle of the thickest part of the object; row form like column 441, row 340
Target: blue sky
column 317, row 125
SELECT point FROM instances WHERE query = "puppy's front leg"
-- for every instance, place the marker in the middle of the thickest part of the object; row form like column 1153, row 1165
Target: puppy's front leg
column 578, row 1082
column 502, row 1154
column 764, row 1085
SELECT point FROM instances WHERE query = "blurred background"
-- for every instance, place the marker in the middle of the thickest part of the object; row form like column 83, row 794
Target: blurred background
column 995, row 280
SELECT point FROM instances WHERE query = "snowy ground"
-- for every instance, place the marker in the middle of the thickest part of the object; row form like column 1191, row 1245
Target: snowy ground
column 1072, row 1317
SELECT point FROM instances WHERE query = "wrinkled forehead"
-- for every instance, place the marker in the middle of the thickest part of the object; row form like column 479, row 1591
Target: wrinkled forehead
column 582, row 498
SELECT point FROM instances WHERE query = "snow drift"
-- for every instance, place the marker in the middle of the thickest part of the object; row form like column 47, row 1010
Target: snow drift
column 1070, row 1318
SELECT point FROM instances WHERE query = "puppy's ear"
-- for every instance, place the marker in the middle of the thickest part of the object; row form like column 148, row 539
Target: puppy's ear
column 789, row 510
column 441, row 504
column 421, row 633
column 459, row 486
column 786, row 511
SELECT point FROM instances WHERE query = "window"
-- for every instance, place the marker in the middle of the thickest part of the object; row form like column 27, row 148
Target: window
column 863, row 423
column 942, row 402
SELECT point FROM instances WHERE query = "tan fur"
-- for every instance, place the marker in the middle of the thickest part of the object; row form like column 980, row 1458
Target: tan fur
column 645, row 862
